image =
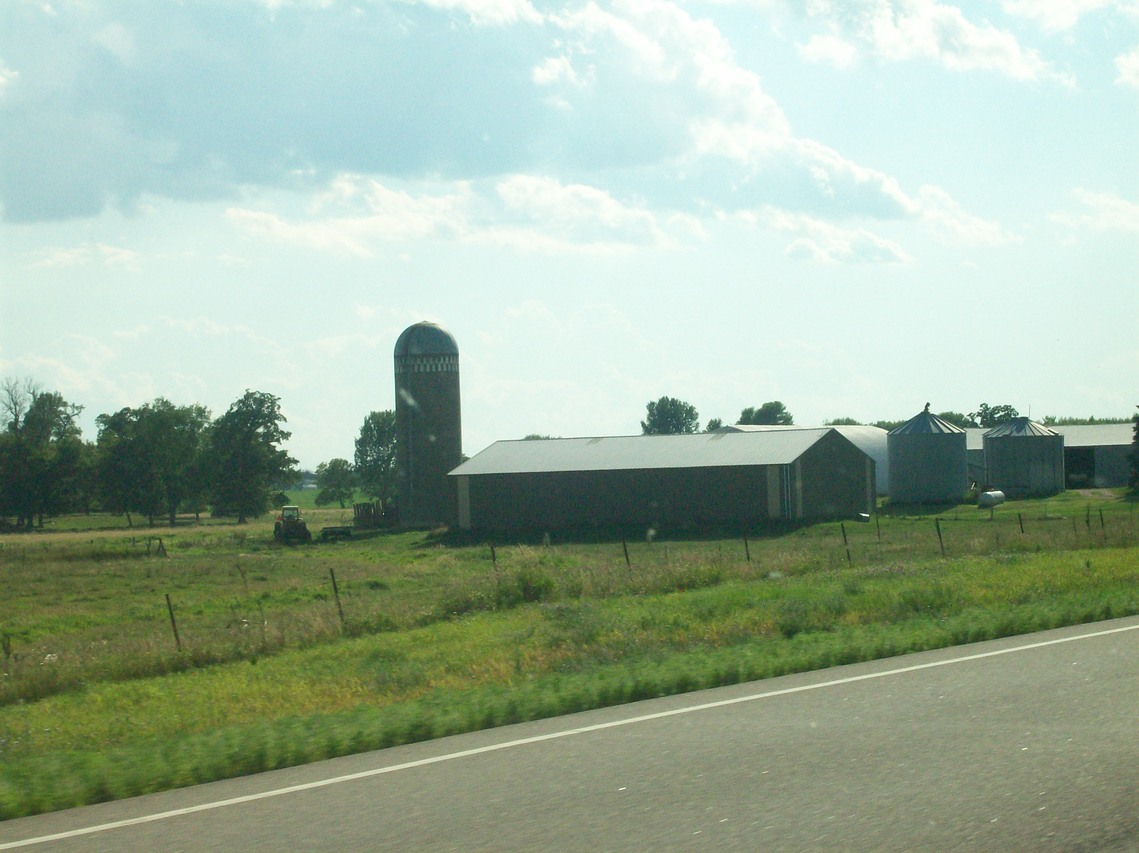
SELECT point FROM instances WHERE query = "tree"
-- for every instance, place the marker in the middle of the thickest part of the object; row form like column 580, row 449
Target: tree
column 126, row 482
column 1052, row 420
column 336, row 481
column 773, row 413
column 669, row 416
column 375, row 456
column 40, row 452
column 889, row 426
column 245, row 460
column 988, row 416
column 714, row 424
column 957, row 419
column 843, row 422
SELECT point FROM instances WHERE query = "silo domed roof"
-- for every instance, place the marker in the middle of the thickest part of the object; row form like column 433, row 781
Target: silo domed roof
column 1017, row 427
column 425, row 339
column 926, row 423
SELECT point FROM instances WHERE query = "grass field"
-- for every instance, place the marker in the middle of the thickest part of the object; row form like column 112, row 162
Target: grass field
column 141, row 659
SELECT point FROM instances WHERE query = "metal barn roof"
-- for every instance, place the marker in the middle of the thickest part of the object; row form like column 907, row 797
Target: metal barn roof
column 871, row 440
column 1079, row 435
column 639, row 452
column 1096, row 435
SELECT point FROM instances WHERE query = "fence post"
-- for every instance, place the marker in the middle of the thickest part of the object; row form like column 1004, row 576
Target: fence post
column 628, row 562
column 940, row 541
column 336, row 595
column 173, row 624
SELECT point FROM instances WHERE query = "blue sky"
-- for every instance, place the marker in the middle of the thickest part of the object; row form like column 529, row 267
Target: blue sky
column 852, row 207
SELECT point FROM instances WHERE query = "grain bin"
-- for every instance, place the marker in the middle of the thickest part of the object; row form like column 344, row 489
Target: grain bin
column 927, row 460
column 1024, row 459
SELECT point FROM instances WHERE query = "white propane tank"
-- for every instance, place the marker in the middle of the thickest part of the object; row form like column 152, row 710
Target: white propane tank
column 988, row 500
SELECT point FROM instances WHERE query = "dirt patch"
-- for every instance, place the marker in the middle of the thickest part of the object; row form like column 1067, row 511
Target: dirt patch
column 1100, row 494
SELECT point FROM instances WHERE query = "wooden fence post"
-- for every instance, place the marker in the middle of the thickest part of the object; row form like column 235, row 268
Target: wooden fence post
column 336, row 594
column 173, row 624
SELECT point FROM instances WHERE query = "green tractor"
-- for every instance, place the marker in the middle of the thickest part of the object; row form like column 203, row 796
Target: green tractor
column 290, row 527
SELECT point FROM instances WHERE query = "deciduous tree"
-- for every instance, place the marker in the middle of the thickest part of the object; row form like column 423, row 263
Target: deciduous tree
column 669, row 416
column 336, row 481
column 773, row 413
column 40, row 450
column 988, row 416
column 245, row 457
column 375, row 456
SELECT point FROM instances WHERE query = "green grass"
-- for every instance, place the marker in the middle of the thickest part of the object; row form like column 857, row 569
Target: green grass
column 442, row 634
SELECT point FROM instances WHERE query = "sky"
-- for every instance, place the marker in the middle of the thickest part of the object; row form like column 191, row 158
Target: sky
column 850, row 206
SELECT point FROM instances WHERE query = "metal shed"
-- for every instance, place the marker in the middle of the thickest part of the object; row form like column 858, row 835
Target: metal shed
column 927, row 460
column 1097, row 455
column 667, row 480
column 1024, row 458
column 871, row 440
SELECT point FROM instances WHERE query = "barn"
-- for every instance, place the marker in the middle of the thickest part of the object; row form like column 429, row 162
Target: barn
column 871, row 440
column 665, row 481
column 1095, row 455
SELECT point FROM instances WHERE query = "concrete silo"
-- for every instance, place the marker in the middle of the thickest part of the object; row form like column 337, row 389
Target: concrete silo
column 927, row 460
column 1024, row 459
column 429, row 441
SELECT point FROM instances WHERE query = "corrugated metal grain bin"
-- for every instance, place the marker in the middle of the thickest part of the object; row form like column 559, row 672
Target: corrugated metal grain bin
column 927, row 458
column 1024, row 459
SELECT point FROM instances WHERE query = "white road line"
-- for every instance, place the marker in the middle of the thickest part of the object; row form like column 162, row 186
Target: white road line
column 628, row 721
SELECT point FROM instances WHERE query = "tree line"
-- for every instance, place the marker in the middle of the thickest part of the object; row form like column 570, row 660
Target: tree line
column 670, row 416
column 159, row 459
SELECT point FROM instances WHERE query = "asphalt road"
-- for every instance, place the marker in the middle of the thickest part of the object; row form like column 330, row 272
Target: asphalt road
column 1029, row 743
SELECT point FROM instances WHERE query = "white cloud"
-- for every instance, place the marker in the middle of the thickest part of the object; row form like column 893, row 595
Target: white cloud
column 88, row 254
column 821, row 241
column 901, row 30
column 557, row 69
column 523, row 211
column 8, row 78
column 117, row 40
column 368, row 211
column 490, row 12
column 1054, row 15
column 1102, row 212
column 1128, row 66
column 315, row 235
column 948, row 218
column 830, row 49
column 583, row 212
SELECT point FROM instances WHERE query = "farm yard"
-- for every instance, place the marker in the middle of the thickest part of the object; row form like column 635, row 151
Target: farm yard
column 139, row 659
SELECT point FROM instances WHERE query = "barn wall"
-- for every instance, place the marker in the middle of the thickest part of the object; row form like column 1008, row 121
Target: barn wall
column 681, row 497
column 1112, row 465
column 836, row 478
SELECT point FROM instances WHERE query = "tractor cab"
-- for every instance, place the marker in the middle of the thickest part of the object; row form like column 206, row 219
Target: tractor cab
column 290, row 527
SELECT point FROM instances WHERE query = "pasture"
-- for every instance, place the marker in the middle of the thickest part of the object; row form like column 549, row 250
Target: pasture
column 146, row 658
